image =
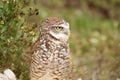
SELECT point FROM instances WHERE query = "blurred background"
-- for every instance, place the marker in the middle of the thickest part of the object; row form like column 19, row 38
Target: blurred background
column 94, row 40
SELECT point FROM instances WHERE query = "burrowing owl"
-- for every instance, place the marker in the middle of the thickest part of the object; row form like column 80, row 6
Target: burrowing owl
column 50, row 58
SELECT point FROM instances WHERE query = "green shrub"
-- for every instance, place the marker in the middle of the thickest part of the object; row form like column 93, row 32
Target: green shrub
column 15, row 35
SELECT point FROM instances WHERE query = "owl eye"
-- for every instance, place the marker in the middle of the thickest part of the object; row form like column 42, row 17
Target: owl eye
column 58, row 28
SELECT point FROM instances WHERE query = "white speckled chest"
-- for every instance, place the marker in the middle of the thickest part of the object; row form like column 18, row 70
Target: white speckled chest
column 52, row 59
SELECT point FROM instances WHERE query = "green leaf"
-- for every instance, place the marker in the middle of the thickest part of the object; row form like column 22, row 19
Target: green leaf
column 4, row 29
column 18, row 35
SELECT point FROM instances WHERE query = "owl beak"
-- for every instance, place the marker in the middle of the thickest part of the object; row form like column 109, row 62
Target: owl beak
column 67, row 32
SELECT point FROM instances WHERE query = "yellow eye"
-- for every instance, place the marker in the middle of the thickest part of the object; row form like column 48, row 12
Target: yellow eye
column 58, row 28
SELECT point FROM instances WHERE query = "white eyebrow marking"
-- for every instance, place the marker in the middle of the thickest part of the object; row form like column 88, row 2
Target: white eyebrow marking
column 65, row 25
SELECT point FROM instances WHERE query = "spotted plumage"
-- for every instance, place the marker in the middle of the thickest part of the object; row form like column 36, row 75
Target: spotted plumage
column 51, row 55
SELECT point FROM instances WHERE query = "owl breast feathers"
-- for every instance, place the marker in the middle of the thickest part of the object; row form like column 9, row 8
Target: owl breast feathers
column 51, row 56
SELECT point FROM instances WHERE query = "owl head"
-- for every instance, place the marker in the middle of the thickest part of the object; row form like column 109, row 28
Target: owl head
column 56, row 28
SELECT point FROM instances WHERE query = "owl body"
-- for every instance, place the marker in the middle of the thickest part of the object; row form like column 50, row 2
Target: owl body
column 51, row 55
